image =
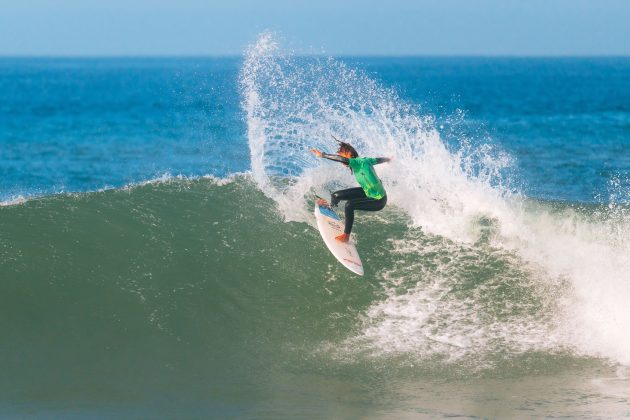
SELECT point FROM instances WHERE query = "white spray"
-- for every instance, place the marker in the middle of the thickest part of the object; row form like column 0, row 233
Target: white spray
column 294, row 103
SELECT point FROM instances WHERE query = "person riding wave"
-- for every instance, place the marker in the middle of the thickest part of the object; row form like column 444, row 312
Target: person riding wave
column 370, row 196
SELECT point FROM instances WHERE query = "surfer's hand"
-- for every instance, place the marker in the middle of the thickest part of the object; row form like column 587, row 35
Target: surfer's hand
column 316, row 152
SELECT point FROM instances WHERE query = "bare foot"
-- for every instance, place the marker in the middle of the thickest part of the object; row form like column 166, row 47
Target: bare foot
column 322, row 202
column 344, row 237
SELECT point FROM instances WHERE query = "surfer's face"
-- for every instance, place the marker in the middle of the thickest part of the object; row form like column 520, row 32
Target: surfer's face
column 345, row 153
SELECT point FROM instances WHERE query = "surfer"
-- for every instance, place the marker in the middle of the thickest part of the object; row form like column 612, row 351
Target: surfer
column 370, row 196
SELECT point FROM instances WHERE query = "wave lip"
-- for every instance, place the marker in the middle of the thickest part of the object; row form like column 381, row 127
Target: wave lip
column 162, row 179
column 20, row 199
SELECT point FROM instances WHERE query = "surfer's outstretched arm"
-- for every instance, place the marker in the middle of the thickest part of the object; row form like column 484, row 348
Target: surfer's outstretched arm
column 336, row 158
column 381, row 160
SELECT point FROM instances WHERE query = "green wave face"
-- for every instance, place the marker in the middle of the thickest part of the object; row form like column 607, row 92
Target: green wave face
column 162, row 287
column 199, row 290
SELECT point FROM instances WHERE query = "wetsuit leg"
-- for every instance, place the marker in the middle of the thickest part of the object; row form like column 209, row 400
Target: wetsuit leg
column 348, row 194
column 366, row 204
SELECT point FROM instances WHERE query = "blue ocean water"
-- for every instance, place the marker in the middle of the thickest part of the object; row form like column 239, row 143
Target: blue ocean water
column 85, row 124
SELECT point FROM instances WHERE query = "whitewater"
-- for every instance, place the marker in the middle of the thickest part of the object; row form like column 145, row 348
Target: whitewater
column 460, row 196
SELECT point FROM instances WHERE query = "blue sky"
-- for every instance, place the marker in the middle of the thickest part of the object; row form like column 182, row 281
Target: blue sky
column 394, row 27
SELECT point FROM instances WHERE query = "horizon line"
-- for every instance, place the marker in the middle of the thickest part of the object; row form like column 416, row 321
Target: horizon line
column 241, row 55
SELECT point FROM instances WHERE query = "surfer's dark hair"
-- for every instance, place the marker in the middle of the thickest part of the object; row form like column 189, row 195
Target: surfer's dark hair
column 346, row 147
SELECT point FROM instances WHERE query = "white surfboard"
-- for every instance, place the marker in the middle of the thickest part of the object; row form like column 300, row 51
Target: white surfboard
column 330, row 225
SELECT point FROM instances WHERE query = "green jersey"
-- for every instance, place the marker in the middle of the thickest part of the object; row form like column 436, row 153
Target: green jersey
column 363, row 170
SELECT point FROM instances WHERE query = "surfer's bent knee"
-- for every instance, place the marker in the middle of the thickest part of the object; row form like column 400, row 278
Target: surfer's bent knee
column 334, row 199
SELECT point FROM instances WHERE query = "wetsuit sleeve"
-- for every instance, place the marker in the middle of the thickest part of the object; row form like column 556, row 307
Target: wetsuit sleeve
column 376, row 161
column 336, row 158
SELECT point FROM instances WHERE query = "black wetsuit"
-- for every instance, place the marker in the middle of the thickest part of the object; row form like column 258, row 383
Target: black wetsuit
column 357, row 199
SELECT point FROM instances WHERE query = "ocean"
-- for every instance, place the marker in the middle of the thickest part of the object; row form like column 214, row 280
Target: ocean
column 159, row 256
